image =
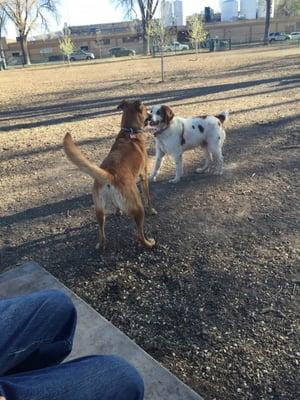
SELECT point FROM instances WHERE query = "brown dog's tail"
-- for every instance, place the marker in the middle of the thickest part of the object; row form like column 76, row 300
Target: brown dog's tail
column 76, row 157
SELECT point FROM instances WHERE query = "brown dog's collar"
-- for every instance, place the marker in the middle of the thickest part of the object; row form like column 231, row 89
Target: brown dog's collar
column 132, row 132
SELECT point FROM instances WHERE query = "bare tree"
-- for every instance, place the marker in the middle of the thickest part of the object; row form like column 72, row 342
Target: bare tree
column 268, row 19
column 26, row 15
column 3, row 20
column 287, row 8
column 146, row 9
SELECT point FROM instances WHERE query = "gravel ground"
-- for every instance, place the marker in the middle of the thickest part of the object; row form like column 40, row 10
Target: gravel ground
column 217, row 300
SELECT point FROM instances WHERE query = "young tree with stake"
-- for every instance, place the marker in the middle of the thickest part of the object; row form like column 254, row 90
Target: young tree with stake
column 159, row 36
column 66, row 46
column 197, row 31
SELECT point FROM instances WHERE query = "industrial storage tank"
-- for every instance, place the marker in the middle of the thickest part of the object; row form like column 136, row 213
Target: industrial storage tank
column 229, row 10
column 248, row 9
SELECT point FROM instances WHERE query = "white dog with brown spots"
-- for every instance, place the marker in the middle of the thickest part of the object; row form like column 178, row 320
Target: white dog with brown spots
column 174, row 135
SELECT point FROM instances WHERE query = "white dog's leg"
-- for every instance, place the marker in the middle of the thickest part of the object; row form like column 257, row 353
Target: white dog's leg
column 218, row 160
column 179, row 168
column 208, row 160
column 159, row 157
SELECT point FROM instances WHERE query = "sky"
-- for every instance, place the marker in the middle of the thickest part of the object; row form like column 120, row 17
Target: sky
column 84, row 12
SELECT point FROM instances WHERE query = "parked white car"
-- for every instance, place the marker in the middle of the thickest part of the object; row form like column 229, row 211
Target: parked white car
column 294, row 36
column 176, row 46
column 82, row 55
column 278, row 36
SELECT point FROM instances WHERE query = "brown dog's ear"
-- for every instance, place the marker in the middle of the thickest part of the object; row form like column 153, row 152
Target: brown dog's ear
column 122, row 105
column 138, row 105
column 167, row 114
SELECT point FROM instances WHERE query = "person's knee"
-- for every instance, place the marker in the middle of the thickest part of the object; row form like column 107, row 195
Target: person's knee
column 57, row 301
column 135, row 383
column 58, row 308
column 129, row 382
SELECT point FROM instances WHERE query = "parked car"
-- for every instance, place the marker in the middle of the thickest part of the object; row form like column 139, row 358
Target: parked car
column 121, row 51
column 82, row 55
column 176, row 46
column 294, row 36
column 278, row 36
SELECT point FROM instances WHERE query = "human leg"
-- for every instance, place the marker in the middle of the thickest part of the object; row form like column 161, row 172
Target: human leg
column 36, row 331
column 93, row 378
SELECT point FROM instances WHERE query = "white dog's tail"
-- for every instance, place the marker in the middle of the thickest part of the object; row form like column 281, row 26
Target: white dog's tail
column 223, row 117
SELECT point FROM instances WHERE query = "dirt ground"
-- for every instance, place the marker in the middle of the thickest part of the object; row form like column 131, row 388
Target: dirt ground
column 217, row 300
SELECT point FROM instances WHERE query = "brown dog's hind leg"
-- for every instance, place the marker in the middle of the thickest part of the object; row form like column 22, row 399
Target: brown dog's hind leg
column 136, row 210
column 101, row 222
column 145, row 183
column 100, row 216
column 138, row 215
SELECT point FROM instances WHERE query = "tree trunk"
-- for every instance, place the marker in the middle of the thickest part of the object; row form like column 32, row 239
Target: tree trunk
column 267, row 24
column 2, row 55
column 148, row 43
column 162, row 67
column 144, row 33
column 162, row 64
column 24, row 48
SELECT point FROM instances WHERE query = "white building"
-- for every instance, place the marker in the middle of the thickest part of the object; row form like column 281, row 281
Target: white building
column 229, row 10
column 166, row 13
column 172, row 12
column 248, row 9
column 178, row 12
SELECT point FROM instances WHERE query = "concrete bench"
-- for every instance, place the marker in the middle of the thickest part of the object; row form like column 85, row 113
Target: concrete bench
column 96, row 335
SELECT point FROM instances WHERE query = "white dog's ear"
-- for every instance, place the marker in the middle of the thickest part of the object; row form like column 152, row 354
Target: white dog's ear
column 167, row 114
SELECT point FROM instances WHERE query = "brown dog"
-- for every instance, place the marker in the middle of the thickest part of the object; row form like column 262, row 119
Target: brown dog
column 115, row 186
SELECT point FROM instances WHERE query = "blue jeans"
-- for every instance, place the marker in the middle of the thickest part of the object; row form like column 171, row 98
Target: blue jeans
column 36, row 334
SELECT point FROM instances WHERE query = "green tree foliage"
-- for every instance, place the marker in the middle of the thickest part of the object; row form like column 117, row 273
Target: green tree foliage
column 197, row 31
column 159, row 36
column 66, row 46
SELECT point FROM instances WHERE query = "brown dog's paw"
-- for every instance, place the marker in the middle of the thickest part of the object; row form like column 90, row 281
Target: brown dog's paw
column 152, row 211
column 150, row 243
column 101, row 247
